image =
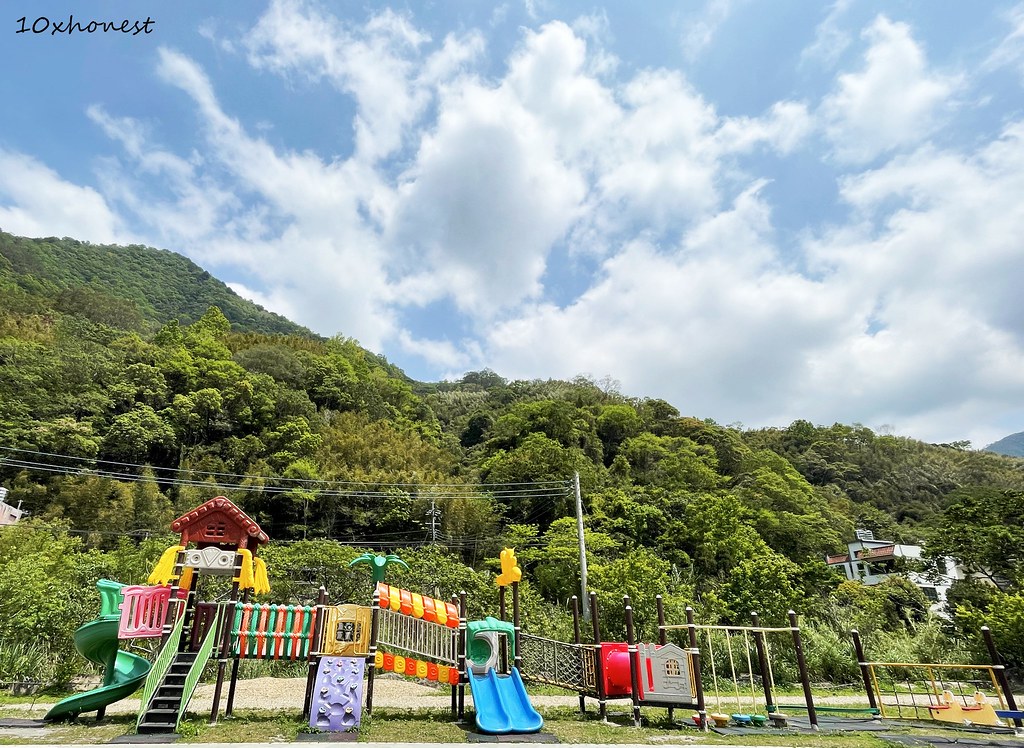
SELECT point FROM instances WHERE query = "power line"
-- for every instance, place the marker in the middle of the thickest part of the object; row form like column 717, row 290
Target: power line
column 245, row 476
column 480, row 491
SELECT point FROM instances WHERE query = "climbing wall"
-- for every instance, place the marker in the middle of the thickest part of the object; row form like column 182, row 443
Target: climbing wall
column 338, row 695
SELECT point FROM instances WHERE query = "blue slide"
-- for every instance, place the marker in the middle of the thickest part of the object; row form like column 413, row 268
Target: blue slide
column 501, row 703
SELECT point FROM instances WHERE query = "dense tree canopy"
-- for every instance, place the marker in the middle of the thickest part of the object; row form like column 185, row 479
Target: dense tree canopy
column 122, row 403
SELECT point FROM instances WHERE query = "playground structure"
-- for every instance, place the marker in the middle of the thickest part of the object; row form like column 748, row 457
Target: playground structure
column 665, row 674
column 97, row 641
column 964, row 694
column 415, row 635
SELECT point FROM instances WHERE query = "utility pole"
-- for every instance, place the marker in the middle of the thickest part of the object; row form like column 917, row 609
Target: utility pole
column 433, row 514
column 583, row 547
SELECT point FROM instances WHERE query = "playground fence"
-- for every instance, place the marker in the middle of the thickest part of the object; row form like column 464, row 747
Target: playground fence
column 143, row 611
column 272, row 632
column 557, row 663
column 418, row 636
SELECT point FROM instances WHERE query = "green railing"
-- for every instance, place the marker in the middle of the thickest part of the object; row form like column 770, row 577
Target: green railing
column 196, row 671
column 159, row 669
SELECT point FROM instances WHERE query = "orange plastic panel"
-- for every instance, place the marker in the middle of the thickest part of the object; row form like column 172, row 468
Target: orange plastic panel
column 453, row 616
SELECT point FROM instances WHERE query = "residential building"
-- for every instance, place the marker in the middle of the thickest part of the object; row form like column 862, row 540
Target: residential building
column 871, row 561
column 9, row 514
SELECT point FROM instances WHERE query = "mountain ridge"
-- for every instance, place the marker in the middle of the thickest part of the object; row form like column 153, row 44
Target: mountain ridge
column 1011, row 446
column 160, row 284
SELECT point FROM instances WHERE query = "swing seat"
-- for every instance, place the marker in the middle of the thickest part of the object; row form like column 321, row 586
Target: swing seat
column 758, row 720
column 778, row 719
column 720, row 720
column 741, row 719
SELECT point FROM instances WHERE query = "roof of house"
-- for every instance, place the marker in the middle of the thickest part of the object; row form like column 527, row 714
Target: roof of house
column 220, row 505
column 885, row 550
column 840, row 558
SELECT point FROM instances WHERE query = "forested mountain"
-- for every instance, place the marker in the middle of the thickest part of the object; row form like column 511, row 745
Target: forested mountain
column 132, row 287
column 110, row 424
column 1012, row 445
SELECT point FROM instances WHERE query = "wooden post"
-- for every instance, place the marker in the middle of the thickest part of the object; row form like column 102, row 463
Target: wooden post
column 229, row 709
column 456, row 634
column 634, row 662
column 805, row 680
column 595, row 621
column 371, row 654
column 762, row 662
column 865, row 672
column 1000, row 671
column 316, row 648
column 463, row 678
column 575, row 605
column 223, row 634
column 698, row 685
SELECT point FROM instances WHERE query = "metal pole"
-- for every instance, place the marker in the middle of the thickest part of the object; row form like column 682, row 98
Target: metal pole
column 371, row 654
column 1000, row 671
column 634, row 662
column 503, row 615
column 595, row 620
column 517, row 654
column 579, row 536
column 865, row 672
column 575, row 604
column 698, row 685
column 801, row 663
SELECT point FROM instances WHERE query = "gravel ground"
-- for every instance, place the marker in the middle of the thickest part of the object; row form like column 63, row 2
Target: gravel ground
column 388, row 691
column 289, row 693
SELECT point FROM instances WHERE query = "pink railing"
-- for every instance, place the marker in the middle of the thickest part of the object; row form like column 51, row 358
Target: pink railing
column 143, row 612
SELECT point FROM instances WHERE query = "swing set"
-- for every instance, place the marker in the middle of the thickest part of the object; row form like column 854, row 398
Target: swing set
column 736, row 645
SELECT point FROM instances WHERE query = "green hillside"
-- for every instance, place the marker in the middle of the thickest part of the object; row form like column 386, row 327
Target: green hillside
column 133, row 285
column 115, row 418
column 1012, row 445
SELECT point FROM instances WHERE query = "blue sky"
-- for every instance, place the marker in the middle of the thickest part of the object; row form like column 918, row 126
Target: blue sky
column 759, row 211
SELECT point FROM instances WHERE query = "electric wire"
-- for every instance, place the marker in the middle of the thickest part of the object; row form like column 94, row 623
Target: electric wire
column 245, row 476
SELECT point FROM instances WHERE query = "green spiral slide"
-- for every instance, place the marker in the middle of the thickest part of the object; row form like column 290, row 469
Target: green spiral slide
column 96, row 640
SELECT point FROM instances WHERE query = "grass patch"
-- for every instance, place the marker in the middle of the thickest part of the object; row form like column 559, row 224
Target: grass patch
column 403, row 726
column 84, row 731
column 245, row 726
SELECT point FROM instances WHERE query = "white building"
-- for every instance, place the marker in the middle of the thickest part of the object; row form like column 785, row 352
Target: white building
column 9, row 514
column 871, row 561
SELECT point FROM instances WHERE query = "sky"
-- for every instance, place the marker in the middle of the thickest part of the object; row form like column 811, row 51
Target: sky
column 759, row 211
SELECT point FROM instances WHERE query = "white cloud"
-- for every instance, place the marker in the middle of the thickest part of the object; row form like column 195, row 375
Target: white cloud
column 472, row 192
column 893, row 102
column 1010, row 51
column 699, row 33
column 40, row 203
column 485, row 201
column 830, row 39
column 783, row 128
column 442, row 354
column 379, row 64
column 276, row 301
